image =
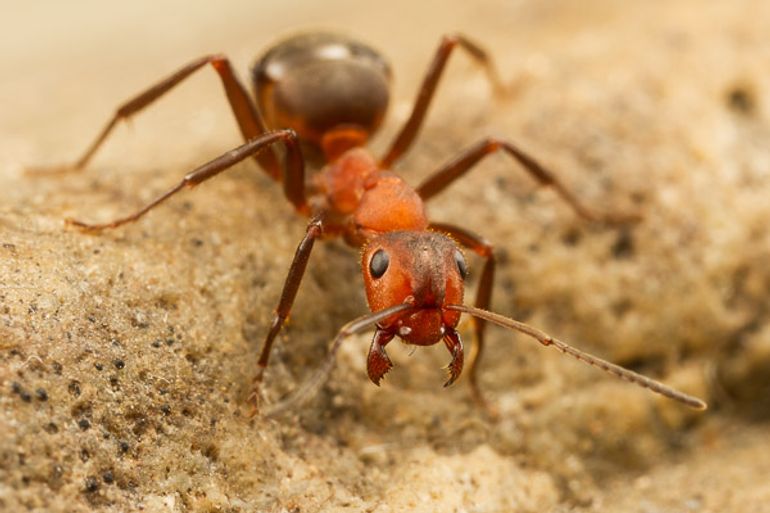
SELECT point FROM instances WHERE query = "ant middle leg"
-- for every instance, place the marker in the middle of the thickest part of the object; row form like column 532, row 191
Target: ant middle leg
column 293, row 178
column 448, row 43
column 484, row 249
column 461, row 164
column 246, row 114
column 288, row 294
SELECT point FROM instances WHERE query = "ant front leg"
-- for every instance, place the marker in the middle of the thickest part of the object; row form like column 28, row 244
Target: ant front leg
column 246, row 114
column 408, row 133
column 293, row 179
column 289, row 293
column 484, row 249
column 460, row 165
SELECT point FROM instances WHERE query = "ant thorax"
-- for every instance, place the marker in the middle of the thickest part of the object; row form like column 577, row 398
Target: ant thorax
column 363, row 200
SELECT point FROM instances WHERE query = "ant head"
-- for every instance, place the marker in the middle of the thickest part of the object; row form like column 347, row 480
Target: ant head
column 316, row 83
column 425, row 269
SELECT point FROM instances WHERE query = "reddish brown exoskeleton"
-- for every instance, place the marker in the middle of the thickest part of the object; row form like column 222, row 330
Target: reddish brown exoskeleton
column 322, row 96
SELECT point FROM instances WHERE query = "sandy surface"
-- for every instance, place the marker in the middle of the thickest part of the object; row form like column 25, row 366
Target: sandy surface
column 125, row 357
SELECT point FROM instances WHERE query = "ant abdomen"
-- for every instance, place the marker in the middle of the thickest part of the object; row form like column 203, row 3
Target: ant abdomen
column 318, row 83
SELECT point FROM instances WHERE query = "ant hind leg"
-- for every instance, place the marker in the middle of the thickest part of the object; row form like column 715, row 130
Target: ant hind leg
column 246, row 114
column 408, row 133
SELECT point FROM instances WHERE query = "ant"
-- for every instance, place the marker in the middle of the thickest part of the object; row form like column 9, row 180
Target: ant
column 320, row 97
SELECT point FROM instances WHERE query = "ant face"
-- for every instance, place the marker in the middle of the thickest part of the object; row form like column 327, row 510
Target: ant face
column 425, row 269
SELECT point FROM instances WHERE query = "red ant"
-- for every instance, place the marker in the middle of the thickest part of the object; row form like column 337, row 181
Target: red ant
column 329, row 94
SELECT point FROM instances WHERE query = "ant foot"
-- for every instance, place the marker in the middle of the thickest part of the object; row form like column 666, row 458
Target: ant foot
column 609, row 218
column 620, row 218
column 508, row 91
column 255, row 397
column 491, row 411
column 597, row 216
column 96, row 228
column 85, row 227
column 253, row 403
column 55, row 169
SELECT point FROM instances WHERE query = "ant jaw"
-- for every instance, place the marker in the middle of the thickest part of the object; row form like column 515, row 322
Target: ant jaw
column 455, row 346
column 377, row 362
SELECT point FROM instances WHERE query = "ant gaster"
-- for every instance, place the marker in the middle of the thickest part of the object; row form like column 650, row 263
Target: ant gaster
column 324, row 95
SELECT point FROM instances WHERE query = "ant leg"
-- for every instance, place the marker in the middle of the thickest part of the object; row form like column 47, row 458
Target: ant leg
column 448, row 43
column 616, row 370
column 293, row 177
column 484, row 249
column 246, row 114
column 311, row 386
column 290, row 288
column 457, row 167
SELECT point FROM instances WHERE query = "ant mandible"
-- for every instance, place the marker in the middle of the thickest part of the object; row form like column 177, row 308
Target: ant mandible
column 323, row 96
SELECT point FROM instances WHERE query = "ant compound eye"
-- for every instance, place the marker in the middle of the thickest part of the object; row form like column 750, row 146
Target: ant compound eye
column 379, row 263
column 461, row 265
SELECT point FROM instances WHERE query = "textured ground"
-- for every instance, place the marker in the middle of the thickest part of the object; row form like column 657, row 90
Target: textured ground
column 125, row 357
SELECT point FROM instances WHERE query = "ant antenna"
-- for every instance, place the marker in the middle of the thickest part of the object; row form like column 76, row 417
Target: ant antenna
column 310, row 387
column 547, row 340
